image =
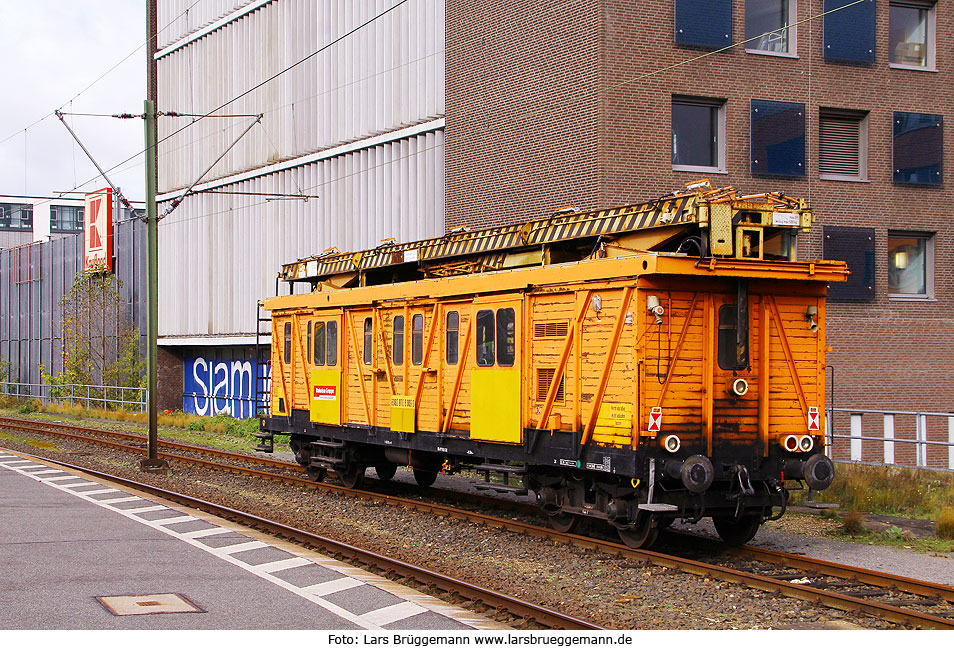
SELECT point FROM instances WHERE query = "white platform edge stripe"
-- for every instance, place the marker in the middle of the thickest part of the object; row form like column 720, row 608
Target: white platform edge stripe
column 394, row 613
column 240, row 548
column 49, row 471
column 76, row 485
column 108, row 502
column 439, row 607
column 30, row 466
column 205, row 532
column 333, row 586
column 103, row 491
column 281, row 565
column 172, row 520
column 136, row 511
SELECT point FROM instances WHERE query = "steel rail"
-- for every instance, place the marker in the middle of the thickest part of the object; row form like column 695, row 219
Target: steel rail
column 842, row 602
column 387, row 565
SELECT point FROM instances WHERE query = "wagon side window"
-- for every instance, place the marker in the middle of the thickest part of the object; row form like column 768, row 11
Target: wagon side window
column 733, row 354
column 367, row 341
column 319, row 343
column 417, row 339
column 397, row 341
column 288, row 342
column 331, row 331
column 506, row 337
column 452, row 337
column 485, row 337
column 308, row 347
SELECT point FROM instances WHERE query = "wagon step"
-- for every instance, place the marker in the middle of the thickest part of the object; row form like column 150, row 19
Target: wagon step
column 318, row 460
column 658, row 507
column 266, row 442
column 504, row 469
column 517, row 490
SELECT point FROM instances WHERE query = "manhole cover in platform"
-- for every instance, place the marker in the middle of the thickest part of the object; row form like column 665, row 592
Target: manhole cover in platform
column 151, row 604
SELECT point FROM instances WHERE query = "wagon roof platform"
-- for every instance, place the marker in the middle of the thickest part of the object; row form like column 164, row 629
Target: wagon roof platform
column 81, row 553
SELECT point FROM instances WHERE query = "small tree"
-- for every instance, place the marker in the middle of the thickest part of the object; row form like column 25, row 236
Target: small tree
column 100, row 342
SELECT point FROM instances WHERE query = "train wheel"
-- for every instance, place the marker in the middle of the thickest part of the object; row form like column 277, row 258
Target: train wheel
column 736, row 532
column 641, row 535
column 564, row 522
column 316, row 473
column 425, row 477
column 385, row 471
column 352, row 476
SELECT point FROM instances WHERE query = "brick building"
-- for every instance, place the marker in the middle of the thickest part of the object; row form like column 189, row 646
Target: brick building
column 843, row 102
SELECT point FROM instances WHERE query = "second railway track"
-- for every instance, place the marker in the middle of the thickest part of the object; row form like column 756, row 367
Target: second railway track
column 894, row 598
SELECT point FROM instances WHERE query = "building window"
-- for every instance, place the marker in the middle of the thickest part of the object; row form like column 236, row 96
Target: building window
column 778, row 138
column 843, row 145
column 850, row 30
column 918, row 146
column 911, row 265
column 16, row 216
column 698, row 134
column 452, row 337
column 767, row 28
column 66, row 218
column 856, row 247
column 397, row 341
column 704, row 23
column 911, row 34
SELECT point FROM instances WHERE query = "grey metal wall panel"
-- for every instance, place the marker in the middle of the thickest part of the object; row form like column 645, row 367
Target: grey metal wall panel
column 32, row 286
column 179, row 18
column 220, row 253
column 384, row 76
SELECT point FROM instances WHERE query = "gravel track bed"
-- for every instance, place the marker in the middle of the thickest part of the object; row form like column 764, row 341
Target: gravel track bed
column 613, row 592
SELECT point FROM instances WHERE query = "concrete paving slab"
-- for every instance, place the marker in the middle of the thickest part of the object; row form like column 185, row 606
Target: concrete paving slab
column 61, row 550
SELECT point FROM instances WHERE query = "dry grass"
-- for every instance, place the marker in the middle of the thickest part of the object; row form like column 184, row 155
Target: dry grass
column 891, row 490
column 853, row 523
column 944, row 524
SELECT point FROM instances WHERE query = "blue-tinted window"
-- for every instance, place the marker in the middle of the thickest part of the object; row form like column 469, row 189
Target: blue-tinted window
column 917, row 148
column 704, row 23
column 778, row 138
column 850, row 31
column 856, row 247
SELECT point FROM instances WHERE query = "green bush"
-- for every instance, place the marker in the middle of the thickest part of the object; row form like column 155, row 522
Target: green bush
column 29, row 407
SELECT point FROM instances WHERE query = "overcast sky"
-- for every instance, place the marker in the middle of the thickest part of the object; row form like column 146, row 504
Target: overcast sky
column 52, row 50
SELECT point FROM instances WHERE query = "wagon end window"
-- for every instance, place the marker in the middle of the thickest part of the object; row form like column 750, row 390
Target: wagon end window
column 417, row 339
column 331, row 352
column 319, row 343
column 485, row 337
column 308, row 347
column 367, row 341
column 452, row 337
column 733, row 348
column 288, row 342
column 397, row 341
column 506, row 337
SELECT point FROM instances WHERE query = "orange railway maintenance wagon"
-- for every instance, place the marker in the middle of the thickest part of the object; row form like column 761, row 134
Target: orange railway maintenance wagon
column 638, row 365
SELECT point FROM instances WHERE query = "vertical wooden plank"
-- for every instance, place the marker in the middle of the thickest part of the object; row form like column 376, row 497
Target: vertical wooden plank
column 765, row 374
column 708, row 358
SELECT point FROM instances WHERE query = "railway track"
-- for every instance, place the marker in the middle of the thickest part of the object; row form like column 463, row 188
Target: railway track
column 391, row 567
column 897, row 599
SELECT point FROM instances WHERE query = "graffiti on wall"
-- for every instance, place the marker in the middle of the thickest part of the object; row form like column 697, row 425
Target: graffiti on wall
column 215, row 386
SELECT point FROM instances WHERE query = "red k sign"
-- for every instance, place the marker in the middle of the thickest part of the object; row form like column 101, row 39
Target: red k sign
column 98, row 231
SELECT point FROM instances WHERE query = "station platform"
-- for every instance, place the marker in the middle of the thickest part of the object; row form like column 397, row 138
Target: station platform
column 77, row 552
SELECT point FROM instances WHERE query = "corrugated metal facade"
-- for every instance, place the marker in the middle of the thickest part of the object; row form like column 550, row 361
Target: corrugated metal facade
column 384, row 76
column 359, row 124
column 220, row 253
column 33, row 280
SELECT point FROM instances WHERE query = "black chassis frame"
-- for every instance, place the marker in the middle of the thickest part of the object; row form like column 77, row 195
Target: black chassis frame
column 559, row 453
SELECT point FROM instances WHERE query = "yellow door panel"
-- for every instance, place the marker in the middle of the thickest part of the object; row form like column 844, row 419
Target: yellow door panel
column 495, row 411
column 326, row 396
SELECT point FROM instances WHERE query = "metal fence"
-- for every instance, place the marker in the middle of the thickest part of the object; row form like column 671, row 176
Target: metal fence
column 917, row 439
column 116, row 397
